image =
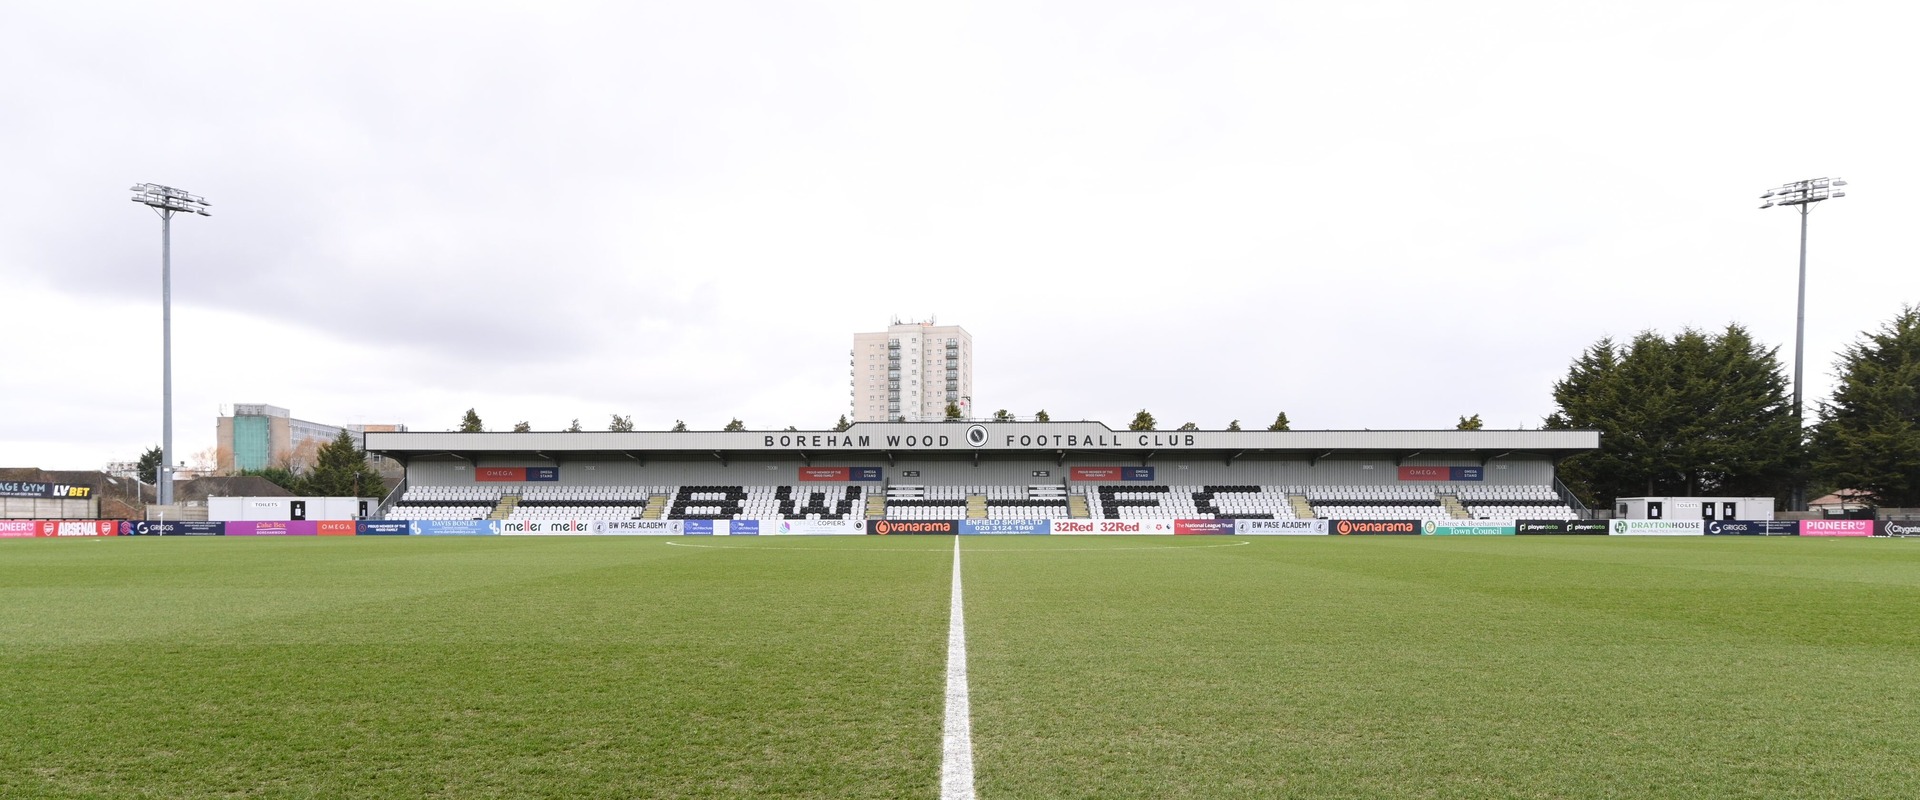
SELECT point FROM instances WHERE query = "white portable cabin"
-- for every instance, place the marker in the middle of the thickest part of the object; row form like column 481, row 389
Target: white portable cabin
column 1691, row 508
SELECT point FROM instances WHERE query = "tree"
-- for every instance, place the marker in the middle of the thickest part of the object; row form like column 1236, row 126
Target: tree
column 1691, row 414
column 789, row 428
column 279, row 476
column 149, row 464
column 574, row 428
column 1042, row 416
column 1234, row 425
column 843, row 424
column 1189, row 426
column 1003, row 415
column 1280, row 423
column 1868, row 437
column 523, row 427
column 1469, row 423
column 341, row 470
column 471, row 423
column 679, row 426
column 953, row 410
column 619, row 423
column 1142, row 421
column 735, row 425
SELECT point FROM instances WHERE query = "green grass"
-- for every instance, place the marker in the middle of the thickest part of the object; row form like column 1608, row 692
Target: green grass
column 813, row 667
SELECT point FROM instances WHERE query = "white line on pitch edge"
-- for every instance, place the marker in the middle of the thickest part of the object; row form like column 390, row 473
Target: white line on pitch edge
column 956, row 744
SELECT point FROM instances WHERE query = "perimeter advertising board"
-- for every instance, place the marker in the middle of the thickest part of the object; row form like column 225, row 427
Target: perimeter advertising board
column 1836, row 527
column 637, row 527
column 1560, row 527
column 1374, row 527
column 1900, row 527
column 1468, row 527
column 381, row 527
column 910, row 527
column 1744, row 527
column 815, row 527
column 172, row 528
column 272, row 527
column 1203, row 527
column 1014, row 527
column 719, row 527
column 1280, row 527
column 545, row 527
column 17, row 528
column 1124, row 527
column 455, row 527
column 1658, row 527
column 71, row 527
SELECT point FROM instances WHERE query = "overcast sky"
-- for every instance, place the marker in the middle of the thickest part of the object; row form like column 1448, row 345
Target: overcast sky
column 1369, row 215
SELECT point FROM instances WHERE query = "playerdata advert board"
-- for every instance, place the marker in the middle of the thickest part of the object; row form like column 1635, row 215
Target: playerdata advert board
column 1658, row 527
column 1560, row 527
column 1280, row 527
column 1467, row 527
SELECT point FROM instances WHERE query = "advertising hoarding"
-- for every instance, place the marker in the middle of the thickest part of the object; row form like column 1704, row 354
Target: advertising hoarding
column 1017, row 527
column 455, row 527
column 1124, row 527
column 1753, row 527
column 1203, row 527
column 1658, row 527
column 1280, row 527
column 271, row 527
column 172, row 528
column 17, row 528
column 1373, row 527
column 1560, row 527
column 824, row 474
column 545, row 527
column 381, row 527
column 1468, row 527
column 815, row 527
column 1900, row 527
column 1836, row 527
column 334, row 527
column 637, row 527
column 907, row 527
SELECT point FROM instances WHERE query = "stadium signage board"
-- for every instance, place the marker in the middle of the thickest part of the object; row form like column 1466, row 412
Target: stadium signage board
column 545, row 527
column 839, row 474
column 1836, row 527
column 1203, row 527
column 816, row 527
column 1900, row 527
column 1442, row 474
column 1280, row 527
column 381, row 527
column 1015, row 527
column 1468, row 527
column 1658, row 527
column 1758, row 527
column 60, row 491
column 17, row 528
column 455, row 527
column 173, row 528
column 272, row 527
column 637, row 527
column 69, row 527
column 515, row 474
column 1560, row 527
column 906, row 527
column 1373, row 527
column 1124, row 527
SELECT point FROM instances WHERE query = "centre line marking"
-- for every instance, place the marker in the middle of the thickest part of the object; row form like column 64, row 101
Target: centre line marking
column 956, row 744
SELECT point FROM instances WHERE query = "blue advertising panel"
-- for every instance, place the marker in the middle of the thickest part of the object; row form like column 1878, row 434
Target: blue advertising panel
column 172, row 528
column 454, row 527
column 1758, row 527
column 743, row 527
column 1466, row 473
column 543, row 473
column 381, row 527
column 1023, row 527
column 1136, row 473
column 864, row 474
column 697, row 527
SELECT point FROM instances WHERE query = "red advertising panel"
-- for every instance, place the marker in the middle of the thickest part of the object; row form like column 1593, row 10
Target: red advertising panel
column 334, row 527
column 825, row 474
column 15, row 528
column 1093, row 474
column 1192, row 527
column 500, row 473
column 82, row 527
column 1836, row 527
column 1425, row 474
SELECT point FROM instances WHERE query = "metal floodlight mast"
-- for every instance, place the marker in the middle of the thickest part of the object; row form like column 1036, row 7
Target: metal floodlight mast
column 1803, row 194
column 167, row 201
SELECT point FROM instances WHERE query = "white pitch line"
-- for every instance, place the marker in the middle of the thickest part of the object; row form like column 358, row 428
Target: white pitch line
column 956, row 744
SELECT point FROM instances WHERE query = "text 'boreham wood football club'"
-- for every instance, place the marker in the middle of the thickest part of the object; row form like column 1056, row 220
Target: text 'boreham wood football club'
column 1044, row 440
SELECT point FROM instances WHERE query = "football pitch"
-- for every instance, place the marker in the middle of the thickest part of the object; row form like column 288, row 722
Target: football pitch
column 1150, row 667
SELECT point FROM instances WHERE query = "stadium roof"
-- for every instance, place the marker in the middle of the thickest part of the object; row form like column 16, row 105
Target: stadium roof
column 891, row 440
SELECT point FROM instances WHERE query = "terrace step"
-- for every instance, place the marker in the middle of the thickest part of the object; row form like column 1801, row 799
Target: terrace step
column 1077, row 506
column 504, row 508
column 1451, row 502
column 656, row 507
column 876, row 506
column 1301, row 508
column 976, row 506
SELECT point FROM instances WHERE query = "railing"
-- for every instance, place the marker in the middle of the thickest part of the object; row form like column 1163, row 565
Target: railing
column 386, row 504
column 1572, row 500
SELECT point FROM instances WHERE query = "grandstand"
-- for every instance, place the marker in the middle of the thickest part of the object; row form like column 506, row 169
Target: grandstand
column 982, row 471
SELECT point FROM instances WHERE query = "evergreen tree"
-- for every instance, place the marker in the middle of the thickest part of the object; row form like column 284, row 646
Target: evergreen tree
column 1042, row 416
column 1189, row 426
column 843, row 424
column 619, row 423
column 1280, row 423
column 1234, row 425
column 148, row 466
column 471, row 423
column 1469, row 423
column 735, row 425
column 1142, row 421
column 523, row 427
column 279, row 476
column 679, row 425
column 953, row 410
column 1003, row 415
column 1697, row 413
column 575, row 427
column 341, row 470
column 1868, row 437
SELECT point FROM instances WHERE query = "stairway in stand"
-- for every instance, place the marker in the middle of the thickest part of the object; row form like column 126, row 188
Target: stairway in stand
column 1451, row 502
column 976, row 506
column 504, row 508
column 656, row 507
column 1301, row 508
column 1077, row 506
column 876, row 506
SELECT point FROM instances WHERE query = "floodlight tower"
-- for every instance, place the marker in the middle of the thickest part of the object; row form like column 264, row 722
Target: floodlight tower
column 166, row 201
column 1803, row 194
